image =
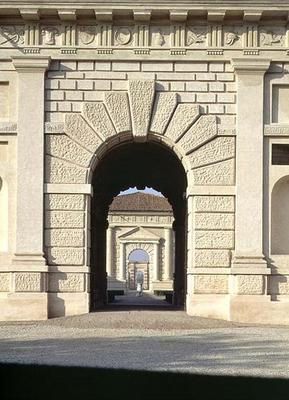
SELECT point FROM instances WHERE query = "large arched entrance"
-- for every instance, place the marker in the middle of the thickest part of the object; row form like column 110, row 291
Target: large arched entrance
column 136, row 164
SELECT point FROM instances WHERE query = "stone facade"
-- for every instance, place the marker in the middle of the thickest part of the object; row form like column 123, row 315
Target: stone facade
column 209, row 83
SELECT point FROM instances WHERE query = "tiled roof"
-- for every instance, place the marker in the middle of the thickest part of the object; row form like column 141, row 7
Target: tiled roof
column 140, row 202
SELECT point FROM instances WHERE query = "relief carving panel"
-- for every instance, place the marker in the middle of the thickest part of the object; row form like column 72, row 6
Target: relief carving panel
column 250, row 284
column 64, row 202
column 214, row 203
column 66, row 282
column 211, row 284
column 4, row 282
column 27, row 282
column 65, row 256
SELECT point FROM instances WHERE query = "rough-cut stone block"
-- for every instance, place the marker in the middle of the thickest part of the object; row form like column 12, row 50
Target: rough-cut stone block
column 219, row 149
column 203, row 130
column 141, row 96
column 60, row 171
column 212, row 258
column 214, row 221
column 214, row 203
column 66, row 282
column 211, row 284
column 4, row 282
column 117, row 105
column 278, row 284
column 65, row 256
column 77, row 128
column 62, row 146
column 222, row 173
column 96, row 115
column 64, row 219
column 27, row 282
column 249, row 284
column 184, row 116
column 64, row 237
column 64, row 202
column 165, row 105
column 214, row 240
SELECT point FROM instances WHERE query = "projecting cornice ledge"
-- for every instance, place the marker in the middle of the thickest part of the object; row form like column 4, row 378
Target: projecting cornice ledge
column 144, row 10
column 250, row 65
column 31, row 64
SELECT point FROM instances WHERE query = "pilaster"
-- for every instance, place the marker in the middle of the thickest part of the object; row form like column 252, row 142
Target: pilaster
column 156, row 262
column 122, row 260
column 168, row 254
column 109, row 250
column 249, row 164
column 30, row 160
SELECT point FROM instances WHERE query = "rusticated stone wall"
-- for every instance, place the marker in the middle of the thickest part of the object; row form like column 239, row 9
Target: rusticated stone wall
column 197, row 120
column 71, row 83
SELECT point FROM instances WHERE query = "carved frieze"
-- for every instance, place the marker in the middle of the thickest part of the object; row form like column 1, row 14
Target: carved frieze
column 132, row 219
column 197, row 36
column 12, row 35
column 86, row 35
column 160, row 36
column 232, row 36
column 50, row 35
column 176, row 35
column 272, row 36
column 123, row 36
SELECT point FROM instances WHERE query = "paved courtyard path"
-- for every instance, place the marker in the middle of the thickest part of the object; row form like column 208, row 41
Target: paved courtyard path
column 149, row 339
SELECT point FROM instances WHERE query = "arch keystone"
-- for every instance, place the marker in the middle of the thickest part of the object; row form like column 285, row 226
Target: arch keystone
column 141, row 96
column 117, row 105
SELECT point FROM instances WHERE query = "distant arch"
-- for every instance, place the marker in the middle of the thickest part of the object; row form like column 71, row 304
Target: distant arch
column 280, row 217
column 138, row 255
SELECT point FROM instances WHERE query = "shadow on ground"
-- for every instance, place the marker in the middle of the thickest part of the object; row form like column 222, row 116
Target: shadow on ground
column 49, row 382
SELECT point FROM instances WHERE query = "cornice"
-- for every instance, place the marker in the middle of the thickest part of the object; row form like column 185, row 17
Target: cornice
column 170, row 10
column 31, row 64
column 250, row 65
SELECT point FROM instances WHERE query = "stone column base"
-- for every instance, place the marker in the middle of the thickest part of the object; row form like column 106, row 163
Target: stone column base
column 23, row 306
column 65, row 304
column 257, row 310
column 208, row 305
column 28, row 259
column 249, row 262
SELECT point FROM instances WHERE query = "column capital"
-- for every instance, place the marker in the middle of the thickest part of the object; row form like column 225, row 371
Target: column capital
column 31, row 64
column 250, row 66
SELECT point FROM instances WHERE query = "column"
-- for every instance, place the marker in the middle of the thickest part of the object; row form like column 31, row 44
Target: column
column 249, row 163
column 30, row 159
column 122, row 262
column 156, row 270
column 168, row 254
column 109, row 250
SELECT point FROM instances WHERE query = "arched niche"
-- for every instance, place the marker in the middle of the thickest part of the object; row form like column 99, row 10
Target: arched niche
column 280, row 217
column 3, row 216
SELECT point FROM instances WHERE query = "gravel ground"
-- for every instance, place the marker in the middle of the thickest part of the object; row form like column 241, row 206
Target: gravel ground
column 149, row 340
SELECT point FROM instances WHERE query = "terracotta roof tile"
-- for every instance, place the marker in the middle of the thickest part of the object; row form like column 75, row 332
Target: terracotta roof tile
column 140, row 202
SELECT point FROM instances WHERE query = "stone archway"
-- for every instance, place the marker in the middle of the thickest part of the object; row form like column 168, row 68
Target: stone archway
column 139, row 117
